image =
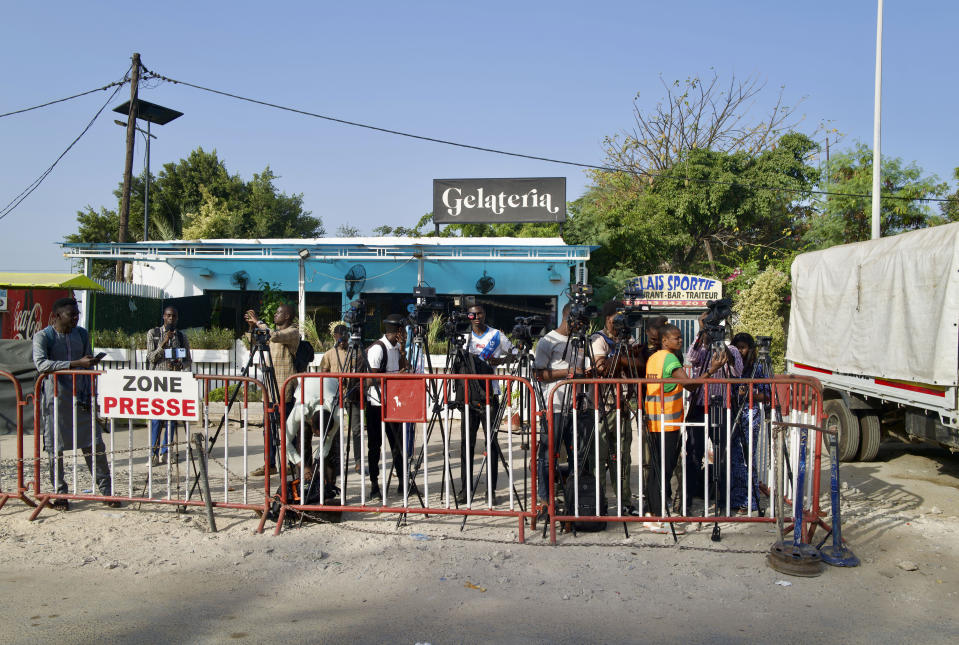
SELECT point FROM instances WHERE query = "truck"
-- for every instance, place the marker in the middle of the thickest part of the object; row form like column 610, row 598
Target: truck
column 877, row 323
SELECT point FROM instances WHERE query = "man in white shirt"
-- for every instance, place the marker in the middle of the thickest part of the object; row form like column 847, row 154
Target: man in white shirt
column 491, row 346
column 384, row 356
column 556, row 359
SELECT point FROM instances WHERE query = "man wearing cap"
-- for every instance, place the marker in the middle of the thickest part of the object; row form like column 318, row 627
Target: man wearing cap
column 384, row 356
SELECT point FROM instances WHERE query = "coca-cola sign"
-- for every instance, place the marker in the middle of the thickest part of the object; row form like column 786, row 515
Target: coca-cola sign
column 28, row 311
column 465, row 201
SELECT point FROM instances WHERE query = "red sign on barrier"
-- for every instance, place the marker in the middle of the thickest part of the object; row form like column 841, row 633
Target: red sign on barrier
column 405, row 401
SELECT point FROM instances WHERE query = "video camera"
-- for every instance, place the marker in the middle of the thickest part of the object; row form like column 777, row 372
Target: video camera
column 718, row 312
column 526, row 328
column 580, row 311
column 427, row 306
column 260, row 337
column 457, row 324
column 356, row 317
column 628, row 319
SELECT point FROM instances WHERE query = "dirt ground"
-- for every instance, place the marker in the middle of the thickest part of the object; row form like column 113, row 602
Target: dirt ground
column 152, row 576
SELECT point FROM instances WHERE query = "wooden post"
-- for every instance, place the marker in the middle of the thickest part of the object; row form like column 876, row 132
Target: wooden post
column 128, row 167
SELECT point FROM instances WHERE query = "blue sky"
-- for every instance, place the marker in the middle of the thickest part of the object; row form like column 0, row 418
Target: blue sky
column 550, row 79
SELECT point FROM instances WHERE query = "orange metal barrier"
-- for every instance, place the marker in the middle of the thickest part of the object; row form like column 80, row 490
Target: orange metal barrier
column 148, row 478
column 344, row 409
column 19, row 491
column 598, row 417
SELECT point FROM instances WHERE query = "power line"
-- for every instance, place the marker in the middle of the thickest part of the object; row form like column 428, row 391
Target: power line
column 781, row 189
column 75, row 96
column 16, row 201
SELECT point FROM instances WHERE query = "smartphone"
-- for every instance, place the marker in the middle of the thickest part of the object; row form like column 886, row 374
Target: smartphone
column 99, row 357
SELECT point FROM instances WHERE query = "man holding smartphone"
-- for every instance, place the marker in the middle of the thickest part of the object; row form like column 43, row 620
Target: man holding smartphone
column 64, row 345
column 167, row 349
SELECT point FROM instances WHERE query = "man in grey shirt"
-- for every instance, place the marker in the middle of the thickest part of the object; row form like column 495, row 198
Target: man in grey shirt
column 63, row 346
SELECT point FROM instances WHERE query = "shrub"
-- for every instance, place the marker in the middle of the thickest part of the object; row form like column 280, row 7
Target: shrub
column 761, row 307
column 254, row 394
column 216, row 338
column 115, row 338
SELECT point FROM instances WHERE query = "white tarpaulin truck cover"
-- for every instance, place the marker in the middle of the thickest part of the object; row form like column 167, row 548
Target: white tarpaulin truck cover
column 885, row 308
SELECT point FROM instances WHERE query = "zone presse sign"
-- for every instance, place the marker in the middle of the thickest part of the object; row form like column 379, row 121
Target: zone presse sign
column 148, row 394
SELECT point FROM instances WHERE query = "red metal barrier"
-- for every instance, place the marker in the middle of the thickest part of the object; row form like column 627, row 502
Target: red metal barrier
column 142, row 471
column 20, row 491
column 796, row 406
column 412, row 401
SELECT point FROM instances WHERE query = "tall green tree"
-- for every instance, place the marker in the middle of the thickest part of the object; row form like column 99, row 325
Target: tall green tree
column 711, row 211
column 845, row 218
column 198, row 198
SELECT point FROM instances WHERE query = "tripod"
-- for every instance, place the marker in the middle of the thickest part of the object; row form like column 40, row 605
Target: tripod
column 259, row 351
column 574, row 405
column 435, row 393
column 524, row 369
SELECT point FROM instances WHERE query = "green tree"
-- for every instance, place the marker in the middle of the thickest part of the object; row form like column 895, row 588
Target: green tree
column 197, row 198
column 711, row 212
column 950, row 209
column 846, row 218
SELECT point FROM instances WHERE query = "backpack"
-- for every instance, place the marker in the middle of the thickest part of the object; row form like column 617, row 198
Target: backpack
column 587, row 501
column 303, row 356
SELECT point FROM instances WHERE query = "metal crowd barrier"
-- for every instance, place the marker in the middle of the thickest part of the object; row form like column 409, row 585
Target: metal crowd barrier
column 131, row 474
column 795, row 409
column 19, row 490
column 336, row 407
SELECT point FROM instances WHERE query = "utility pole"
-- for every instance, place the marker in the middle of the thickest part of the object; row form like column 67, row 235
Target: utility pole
column 128, row 167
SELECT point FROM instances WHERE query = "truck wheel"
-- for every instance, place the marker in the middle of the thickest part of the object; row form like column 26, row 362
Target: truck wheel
column 840, row 418
column 869, row 436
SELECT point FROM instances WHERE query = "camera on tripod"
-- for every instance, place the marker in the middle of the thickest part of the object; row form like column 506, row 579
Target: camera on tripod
column 457, row 324
column 629, row 318
column 427, row 306
column 260, row 337
column 580, row 311
column 718, row 312
column 526, row 328
column 355, row 316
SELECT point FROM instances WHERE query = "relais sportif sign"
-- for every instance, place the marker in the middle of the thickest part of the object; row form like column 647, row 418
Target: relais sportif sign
column 538, row 199
column 148, row 394
column 673, row 290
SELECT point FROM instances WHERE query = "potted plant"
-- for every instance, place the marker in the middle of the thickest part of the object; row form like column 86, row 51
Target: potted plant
column 116, row 343
column 210, row 345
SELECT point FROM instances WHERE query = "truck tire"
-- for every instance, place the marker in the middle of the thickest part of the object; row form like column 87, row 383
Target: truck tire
column 841, row 418
column 869, row 436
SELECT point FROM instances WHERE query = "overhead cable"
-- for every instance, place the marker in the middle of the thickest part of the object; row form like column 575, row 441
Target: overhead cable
column 641, row 173
column 68, row 98
column 16, row 201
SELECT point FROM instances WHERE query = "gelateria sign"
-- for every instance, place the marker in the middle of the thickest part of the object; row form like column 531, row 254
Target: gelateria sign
column 462, row 201
column 673, row 290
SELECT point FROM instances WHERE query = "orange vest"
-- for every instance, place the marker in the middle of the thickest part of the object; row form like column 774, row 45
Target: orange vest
column 662, row 406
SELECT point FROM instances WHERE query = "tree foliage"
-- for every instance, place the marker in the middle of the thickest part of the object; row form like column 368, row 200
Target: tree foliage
column 197, row 198
column 761, row 308
column 845, row 218
column 950, row 210
column 712, row 211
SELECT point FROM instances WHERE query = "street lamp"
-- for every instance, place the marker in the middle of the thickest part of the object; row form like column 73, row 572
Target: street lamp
column 151, row 113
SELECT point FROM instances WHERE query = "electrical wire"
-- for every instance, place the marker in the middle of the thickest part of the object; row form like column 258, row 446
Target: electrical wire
column 781, row 189
column 75, row 96
column 16, row 201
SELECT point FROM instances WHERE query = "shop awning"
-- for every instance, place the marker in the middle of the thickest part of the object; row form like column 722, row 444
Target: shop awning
column 47, row 281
